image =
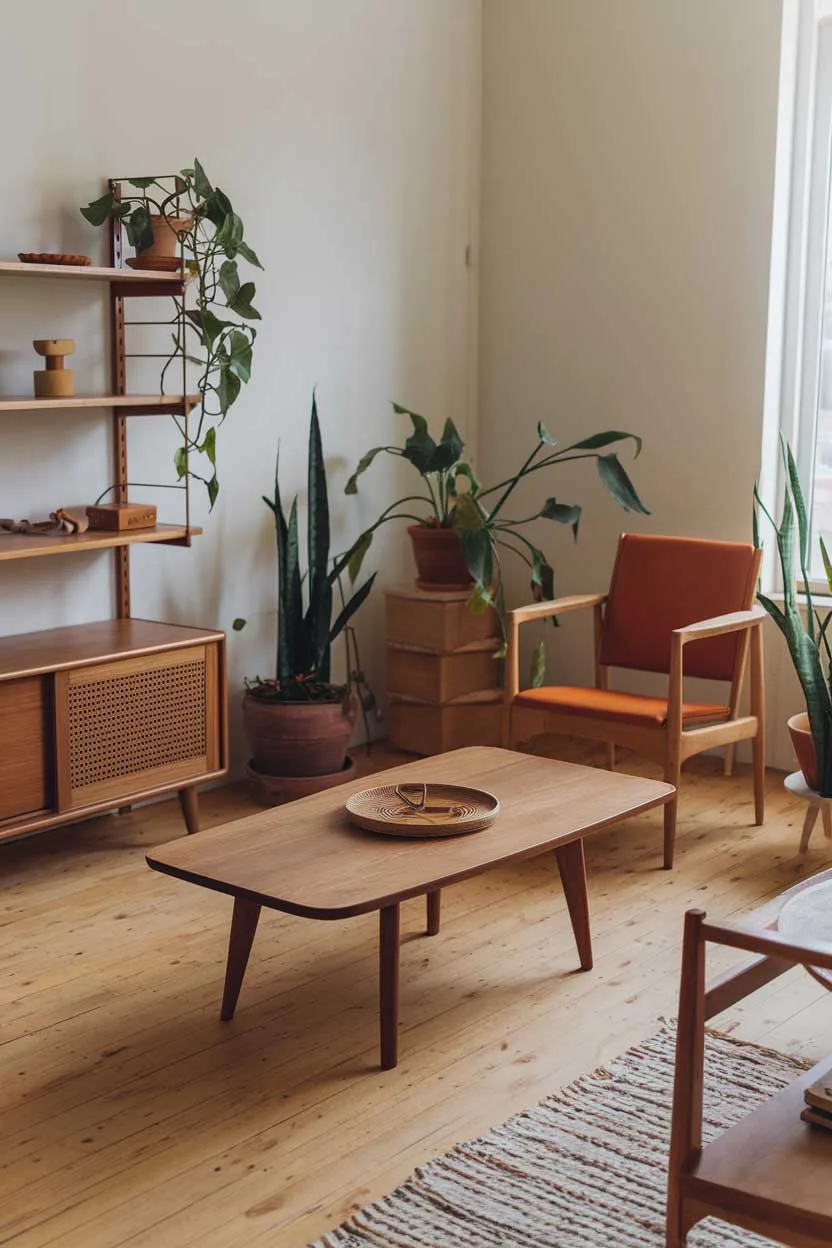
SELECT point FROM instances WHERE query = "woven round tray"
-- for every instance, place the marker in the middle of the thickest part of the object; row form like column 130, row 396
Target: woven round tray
column 808, row 916
column 423, row 810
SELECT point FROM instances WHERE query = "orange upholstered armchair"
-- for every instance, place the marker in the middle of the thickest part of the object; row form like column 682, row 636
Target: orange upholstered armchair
column 675, row 605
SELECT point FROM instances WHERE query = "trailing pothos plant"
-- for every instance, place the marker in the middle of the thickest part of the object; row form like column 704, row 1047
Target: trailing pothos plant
column 218, row 323
column 306, row 631
column 805, row 629
column 455, row 498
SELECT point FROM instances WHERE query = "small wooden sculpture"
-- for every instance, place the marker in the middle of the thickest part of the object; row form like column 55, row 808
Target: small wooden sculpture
column 55, row 381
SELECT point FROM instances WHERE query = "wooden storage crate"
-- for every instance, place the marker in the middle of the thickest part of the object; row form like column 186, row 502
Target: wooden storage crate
column 425, row 728
column 437, row 678
column 438, row 622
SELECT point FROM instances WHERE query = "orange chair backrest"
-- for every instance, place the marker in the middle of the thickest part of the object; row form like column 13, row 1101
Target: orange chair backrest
column 663, row 583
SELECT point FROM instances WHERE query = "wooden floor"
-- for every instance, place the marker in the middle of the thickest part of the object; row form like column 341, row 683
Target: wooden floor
column 132, row 1116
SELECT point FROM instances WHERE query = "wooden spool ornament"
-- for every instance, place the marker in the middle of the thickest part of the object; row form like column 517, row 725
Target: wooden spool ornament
column 55, row 381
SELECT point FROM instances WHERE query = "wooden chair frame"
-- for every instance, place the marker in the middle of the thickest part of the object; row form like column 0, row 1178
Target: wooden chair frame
column 791, row 1200
column 668, row 744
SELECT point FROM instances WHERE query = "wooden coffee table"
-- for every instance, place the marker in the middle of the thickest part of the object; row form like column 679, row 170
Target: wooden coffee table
column 306, row 859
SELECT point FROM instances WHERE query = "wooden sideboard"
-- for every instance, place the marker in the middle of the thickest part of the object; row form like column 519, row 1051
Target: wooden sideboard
column 99, row 715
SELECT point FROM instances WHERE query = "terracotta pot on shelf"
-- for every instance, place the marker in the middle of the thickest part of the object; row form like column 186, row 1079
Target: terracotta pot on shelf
column 298, row 739
column 804, row 747
column 163, row 252
column 440, row 561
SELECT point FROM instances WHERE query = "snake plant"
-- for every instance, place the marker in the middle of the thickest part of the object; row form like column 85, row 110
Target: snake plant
column 306, row 632
column 805, row 630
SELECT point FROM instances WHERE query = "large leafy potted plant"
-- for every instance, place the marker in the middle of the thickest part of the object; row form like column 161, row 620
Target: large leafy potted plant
column 299, row 724
column 459, row 527
column 805, row 629
column 182, row 220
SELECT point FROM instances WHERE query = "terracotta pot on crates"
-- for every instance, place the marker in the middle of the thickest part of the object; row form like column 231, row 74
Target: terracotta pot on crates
column 163, row 252
column 440, row 561
column 804, row 747
column 296, row 747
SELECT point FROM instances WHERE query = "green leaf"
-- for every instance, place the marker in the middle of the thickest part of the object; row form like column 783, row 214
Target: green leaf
column 228, row 387
column 141, row 183
column 543, row 577
column 827, row 564
column 363, row 464
column 217, row 208
column 241, row 303
column 597, row 440
column 238, row 625
column 452, row 440
column 240, row 355
column 479, row 555
column 468, row 517
column 544, row 434
column 538, row 669
column 99, row 210
column 211, row 326
column 348, row 611
column 180, row 462
column 246, row 252
column 319, row 614
column 619, row 484
column 213, row 487
column 463, row 469
column 139, row 229
column 357, row 555
column 420, row 425
column 208, row 446
column 420, row 447
column 562, row 513
column 229, row 279
column 480, row 600
column 202, row 186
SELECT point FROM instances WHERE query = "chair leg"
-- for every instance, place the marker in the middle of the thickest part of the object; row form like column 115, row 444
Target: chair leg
column 728, row 765
column 611, row 755
column 671, row 775
column 758, row 753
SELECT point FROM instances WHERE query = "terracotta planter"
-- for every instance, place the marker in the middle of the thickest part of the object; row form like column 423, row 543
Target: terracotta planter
column 804, row 748
column 298, row 738
column 439, row 558
column 164, row 249
column 275, row 790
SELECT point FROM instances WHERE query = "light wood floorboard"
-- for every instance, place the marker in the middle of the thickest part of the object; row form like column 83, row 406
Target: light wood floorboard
column 132, row 1116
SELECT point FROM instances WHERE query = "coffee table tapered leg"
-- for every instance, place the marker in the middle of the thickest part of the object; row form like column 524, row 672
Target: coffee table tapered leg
column 243, row 926
column 572, row 867
column 388, row 968
column 434, row 906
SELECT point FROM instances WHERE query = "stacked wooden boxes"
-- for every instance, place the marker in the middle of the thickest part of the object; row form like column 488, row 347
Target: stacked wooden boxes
column 443, row 681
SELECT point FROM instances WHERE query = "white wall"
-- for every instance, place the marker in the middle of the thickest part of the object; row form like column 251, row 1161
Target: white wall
column 628, row 166
column 347, row 135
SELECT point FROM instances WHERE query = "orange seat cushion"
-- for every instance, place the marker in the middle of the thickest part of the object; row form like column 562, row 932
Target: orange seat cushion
column 628, row 708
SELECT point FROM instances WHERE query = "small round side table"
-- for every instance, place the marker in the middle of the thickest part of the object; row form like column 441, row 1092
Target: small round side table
column 806, row 914
column 817, row 805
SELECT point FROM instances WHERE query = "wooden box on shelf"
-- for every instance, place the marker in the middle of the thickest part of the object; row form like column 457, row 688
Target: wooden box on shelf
column 442, row 675
column 115, row 517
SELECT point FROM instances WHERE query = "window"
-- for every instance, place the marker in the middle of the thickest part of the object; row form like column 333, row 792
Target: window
column 806, row 361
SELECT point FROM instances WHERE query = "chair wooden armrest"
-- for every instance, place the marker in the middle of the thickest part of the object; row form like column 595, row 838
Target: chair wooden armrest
column 555, row 606
column 720, row 624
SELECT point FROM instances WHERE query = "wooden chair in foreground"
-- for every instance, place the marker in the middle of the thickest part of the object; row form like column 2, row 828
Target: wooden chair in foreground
column 679, row 606
column 770, row 1173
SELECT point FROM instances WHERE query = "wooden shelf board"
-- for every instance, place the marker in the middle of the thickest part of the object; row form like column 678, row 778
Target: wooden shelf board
column 135, row 404
column 93, row 273
column 771, row 1159
column 26, row 546
column 78, row 645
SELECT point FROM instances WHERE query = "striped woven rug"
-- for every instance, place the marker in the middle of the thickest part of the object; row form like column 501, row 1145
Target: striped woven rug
column 583, row 1169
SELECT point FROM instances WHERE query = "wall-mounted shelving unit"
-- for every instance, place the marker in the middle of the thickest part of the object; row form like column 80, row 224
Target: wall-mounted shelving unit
column 96, row 716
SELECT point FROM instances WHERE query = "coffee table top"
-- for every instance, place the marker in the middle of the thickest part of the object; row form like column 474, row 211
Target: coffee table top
column 307, row 859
